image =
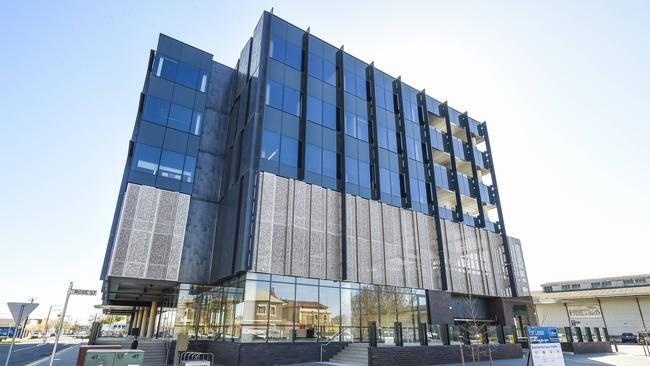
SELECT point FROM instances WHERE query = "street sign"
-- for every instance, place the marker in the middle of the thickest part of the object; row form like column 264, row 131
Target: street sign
column 545, row 346
column 20, row 311
column 76, row 291
column 15, row 308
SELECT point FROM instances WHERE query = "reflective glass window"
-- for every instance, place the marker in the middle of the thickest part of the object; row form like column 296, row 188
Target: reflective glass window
column 145, row 159
column 203, row 82
column 188, row 75
column 394, row 184
column 329, row 314
column 274, row 94
column 350, row 124
column 306, row 313
column 351, row 171
column 180, row 117
column 155, row 110
column 314, row 109
column 188, row 169
column 270, row 145
column 348, row 82
column 294, row 56
column 289, row 151
column 329, row 73
column 329, row 163
column 362, row 129
column 171, row 164
column 329, row 116
column 313, row 158
column 384, row 180
column 278, row 47
column 315, row 66
column 281, row 306
column 364, row 174
column 291, row 101
column 255, row 312
column 165, row 67
column 197, row 120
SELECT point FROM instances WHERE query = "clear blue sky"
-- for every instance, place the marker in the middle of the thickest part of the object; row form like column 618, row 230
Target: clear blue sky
column 564, row 87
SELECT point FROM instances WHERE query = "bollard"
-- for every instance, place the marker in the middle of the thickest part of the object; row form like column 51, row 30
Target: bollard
column 372, row 333
column 424, row 338
column 399, row 340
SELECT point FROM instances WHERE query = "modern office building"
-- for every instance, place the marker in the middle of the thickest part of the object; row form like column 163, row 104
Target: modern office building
column 301, row 194
column 620, row 304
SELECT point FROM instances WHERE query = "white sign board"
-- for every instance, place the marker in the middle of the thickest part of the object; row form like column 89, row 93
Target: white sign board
column 584, row 312
column 196, row 363
column 547, row 354
column 76, row 291
column 545, row 347
column 15, row 308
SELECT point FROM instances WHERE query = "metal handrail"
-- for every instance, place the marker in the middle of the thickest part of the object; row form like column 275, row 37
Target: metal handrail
column 331, row 339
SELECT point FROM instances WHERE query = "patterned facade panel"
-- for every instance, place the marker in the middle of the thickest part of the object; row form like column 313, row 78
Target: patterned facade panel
column 498, row 263
column 424, row 248
column 351, row 238
column 150, row 234
column 393, row 246
column 409, row 249
column 454, row 248
column 364, row 260
column 300, row 239
column 334, row 236
column 473, row 261
column 487, row 261
column 519, row 267
column 317, row 232
column 377, row 244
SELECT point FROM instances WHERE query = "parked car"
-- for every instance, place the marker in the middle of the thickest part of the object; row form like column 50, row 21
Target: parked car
column 643, row 338
column 628, row 338
column 36, row 335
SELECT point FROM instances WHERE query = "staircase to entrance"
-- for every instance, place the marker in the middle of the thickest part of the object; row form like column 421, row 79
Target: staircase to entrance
column 355, row 354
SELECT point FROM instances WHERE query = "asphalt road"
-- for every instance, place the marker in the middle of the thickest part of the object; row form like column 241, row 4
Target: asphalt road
column 26, row 353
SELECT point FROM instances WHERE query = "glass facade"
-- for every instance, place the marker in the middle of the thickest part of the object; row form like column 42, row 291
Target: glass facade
column 168, row 132
column 258, row 307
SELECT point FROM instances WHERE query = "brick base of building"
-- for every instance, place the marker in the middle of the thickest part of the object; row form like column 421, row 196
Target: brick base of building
column 436, row 355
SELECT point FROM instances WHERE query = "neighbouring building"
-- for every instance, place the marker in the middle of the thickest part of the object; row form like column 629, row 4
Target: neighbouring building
column 620, row 304
column 302, row 194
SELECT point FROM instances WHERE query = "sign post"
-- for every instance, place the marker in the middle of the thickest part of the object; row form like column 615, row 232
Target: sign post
column 70, row 291
column 545, row 347
column 19, row 311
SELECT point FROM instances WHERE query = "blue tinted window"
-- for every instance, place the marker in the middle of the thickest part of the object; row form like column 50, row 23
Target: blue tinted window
column 364, row 174
column 188, row 75
column 390, row 103
column 278, row 46
column 270, row 145
column 289, row 151
column 188, row 169
column 362, row 129
column 394, row 184
column 197, row 120
column 165, row 67
column 315, row 66
column 329, row 116
column 274, row 94
column 171, row 164
column 382, row 137
column 379, row 97
column 351, row 171
column 392, row 140
column 313, row 158
column 350, row 124
column 329, row 73
column 145, row 159
column 314, row 109
column 294, row 56
column 291, row 101
column 329, row 163
column 155, row 110
column 348, row 82
column 179, row 117
column 361, row 88
column 203, row 82
column 384, row 180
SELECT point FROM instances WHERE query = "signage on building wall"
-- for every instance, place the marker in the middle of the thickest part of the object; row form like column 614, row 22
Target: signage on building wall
column 545, row 348
column 584, row 311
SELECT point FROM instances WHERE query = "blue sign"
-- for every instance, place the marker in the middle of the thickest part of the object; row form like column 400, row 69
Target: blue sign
column 543, row 335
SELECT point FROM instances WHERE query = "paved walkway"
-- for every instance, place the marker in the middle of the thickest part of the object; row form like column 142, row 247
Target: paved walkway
column 66, row 357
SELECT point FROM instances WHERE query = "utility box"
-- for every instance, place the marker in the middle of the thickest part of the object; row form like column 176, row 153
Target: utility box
column 105, row 357
column 132, row 357
column 99, row 357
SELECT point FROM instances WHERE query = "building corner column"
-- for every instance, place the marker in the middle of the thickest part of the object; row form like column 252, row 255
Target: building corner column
column 152, row 319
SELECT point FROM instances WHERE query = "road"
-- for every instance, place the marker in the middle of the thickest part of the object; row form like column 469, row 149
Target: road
column 24, row 354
